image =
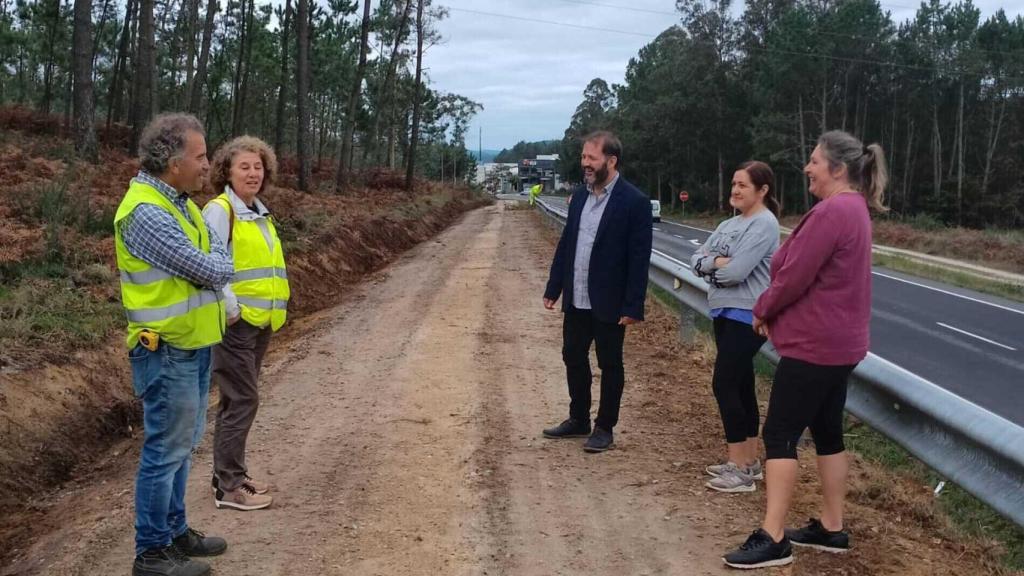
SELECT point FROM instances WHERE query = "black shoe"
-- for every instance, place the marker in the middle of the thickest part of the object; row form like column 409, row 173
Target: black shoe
column 760, row 551
column 167, row 561
column 814, row 535
column 195, row 543
column 568, row 429
column 599, row 441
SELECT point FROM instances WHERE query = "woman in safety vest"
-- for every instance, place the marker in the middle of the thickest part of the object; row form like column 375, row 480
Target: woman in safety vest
column 256, row 303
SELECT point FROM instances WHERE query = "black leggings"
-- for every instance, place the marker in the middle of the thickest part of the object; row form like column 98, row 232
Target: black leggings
column 733, row 382
column 806, row 395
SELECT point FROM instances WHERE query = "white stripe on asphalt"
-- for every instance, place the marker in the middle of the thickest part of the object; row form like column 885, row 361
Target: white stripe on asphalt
column 695, row 242
column 656, row 229
column 680, row 237
column 677, row 261
column 1001, row 307
column 690, row 227
column 976, row 336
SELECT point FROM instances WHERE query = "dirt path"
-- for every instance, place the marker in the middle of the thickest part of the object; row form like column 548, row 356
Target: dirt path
column 402, row 435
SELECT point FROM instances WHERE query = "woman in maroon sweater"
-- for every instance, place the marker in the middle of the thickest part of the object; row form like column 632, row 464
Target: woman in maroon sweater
column 816, row 312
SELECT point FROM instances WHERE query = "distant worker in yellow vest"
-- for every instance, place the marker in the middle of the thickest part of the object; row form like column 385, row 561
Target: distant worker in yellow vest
column 172, row 269
column 535, row 191
column 257, row 305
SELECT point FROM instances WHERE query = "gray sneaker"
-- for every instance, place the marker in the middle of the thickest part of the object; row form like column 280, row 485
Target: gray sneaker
column 732, row 481
column 755, row 470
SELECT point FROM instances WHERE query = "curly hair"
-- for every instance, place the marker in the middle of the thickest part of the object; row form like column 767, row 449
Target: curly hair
column 220, row 168
column 163, row 140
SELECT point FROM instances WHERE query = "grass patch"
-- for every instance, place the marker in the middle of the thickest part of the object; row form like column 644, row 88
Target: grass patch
column 967, row 515
column 53, row 313
column 961, row 279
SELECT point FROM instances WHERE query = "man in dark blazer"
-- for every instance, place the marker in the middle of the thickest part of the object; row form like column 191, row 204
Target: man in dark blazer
column 600, row 266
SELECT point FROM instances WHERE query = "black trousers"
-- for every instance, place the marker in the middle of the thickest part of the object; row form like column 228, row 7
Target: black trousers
column 806, row 395
column 733, row 381
column 579, row 330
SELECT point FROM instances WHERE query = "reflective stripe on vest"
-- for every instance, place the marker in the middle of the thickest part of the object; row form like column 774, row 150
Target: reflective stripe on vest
column 262, row 303
column 259, row 274
column 260, row 282
column 184, row 315
column 167, row 312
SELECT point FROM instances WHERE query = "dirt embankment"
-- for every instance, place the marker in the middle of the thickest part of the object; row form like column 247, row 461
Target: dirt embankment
column 402, row 435
column 65, row 392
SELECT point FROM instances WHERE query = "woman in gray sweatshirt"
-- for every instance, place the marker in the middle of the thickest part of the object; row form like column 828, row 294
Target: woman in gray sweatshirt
column 735, row 262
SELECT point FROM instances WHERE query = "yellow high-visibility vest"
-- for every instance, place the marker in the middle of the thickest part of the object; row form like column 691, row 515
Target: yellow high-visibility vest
column 261, row 278
column 183, row 314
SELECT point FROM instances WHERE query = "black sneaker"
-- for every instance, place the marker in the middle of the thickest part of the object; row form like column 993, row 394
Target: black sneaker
column 195, row 543
column 568, row 429
column 760, row 551
column 814, row 535
column 599, row 441
column 167, row 561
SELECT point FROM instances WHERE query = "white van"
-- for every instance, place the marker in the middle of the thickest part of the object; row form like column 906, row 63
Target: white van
column 656, row 210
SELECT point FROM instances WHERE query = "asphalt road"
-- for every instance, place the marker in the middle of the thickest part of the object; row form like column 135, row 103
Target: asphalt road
column 969, row 343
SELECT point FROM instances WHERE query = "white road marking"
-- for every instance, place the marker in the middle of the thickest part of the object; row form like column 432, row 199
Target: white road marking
column 656, row 229
column 947, row 292
column 695, row 242
column 676, row 260
column 680, row 237
column 976, row 336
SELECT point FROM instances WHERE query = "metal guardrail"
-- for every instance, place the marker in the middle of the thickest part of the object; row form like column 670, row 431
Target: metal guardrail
column 975, row 448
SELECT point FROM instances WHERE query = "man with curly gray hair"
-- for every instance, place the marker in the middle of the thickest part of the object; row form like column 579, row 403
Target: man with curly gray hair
column 172, row 269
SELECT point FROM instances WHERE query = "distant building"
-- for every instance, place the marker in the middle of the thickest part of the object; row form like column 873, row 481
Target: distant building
column 498, row 178
column 541, row 169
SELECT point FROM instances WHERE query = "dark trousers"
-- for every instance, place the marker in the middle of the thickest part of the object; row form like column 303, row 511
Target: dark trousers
column 806, row 395
column 579, row 330
column 236, row 371
column 733, row 381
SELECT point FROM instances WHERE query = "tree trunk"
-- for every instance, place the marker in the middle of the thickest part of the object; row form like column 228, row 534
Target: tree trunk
column 721, row 181
column 344, row 162
column 85, row 122
column 803, row 151
column 302, row 93
column 104, row 16
column 196, row 89
column 907, row 164
column 51, row 45
column 414, row 138
column 960, row 160
column 936, row 153
column 116, row 99
column 994, row 126
column 384, row 100
column 238, row 89
column 191, row 27
column 144, row 71
column 279, row 129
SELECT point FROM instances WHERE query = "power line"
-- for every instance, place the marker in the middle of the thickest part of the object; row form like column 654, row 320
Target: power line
column 552, row 22
column 766, row 50
column 621, row 7
column 1014, row 53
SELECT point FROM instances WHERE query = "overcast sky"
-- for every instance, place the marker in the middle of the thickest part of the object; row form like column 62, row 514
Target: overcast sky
column 529, row 72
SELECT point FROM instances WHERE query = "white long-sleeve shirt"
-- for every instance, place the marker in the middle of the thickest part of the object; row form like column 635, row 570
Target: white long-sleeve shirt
column 217, row 219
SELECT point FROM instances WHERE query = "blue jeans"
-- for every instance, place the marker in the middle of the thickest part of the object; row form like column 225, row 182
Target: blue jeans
column 174, row 385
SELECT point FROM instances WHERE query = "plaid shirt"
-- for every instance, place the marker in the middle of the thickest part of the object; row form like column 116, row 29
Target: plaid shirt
column 153, row 235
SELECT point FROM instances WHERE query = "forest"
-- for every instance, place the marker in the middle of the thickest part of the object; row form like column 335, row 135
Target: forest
column 942, row 92
column 338, row 86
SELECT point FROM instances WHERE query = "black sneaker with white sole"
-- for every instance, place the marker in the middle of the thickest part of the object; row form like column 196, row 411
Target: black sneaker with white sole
column 814, row 535
column 760, row 551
